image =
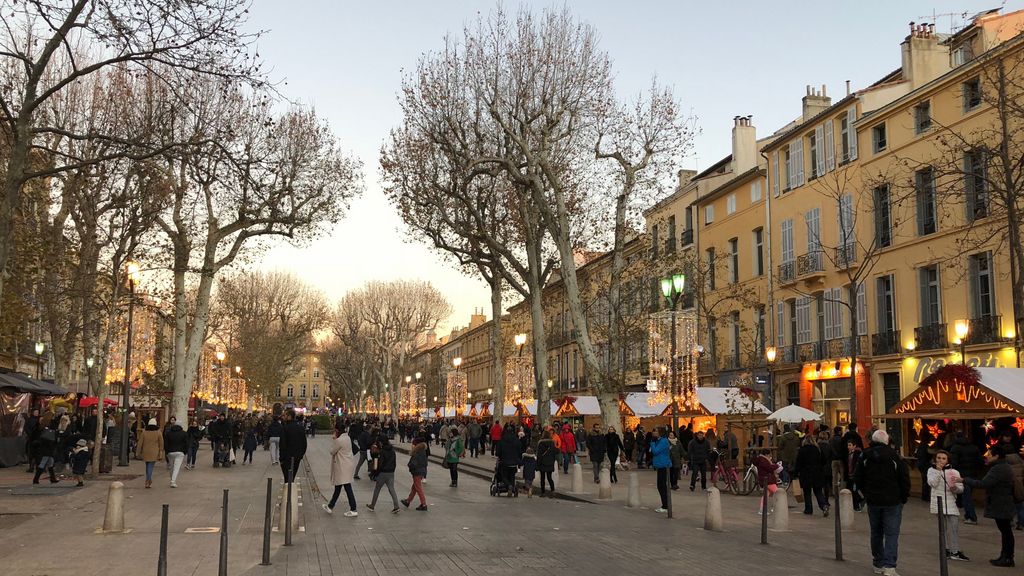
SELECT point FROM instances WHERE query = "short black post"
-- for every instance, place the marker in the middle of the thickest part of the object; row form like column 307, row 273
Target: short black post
column 161, row 563
column 288, row 504
column 764, row 515
column 266, row 523
column 943, row 558
column 838, row 509
column 668, row 490
column 223, row 569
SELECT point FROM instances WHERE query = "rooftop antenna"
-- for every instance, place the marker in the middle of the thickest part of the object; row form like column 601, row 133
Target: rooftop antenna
column 954, row 24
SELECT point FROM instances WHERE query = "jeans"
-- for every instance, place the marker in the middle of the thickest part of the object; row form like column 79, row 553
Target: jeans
column 953, row 533
column 289, row 474
column 1006, row 531
column 248, row 456
column 663, row 486
column 453, row 471
column 193, row 451
column 417, row 490
column 149, row 471
column 701, row 467
column 597, row 461
column 566, row 461
column 885, row 534
column 176, row 458
column 474, row 447
column 275, row 450
column 348, row 492
column 611, row 472
column 550, row 480
column 362, row 460
column 969, row 512
column 385, row 479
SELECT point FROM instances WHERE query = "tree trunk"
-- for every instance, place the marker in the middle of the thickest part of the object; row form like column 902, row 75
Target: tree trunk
column 497, row 350
column 13, row 181
column 540, row 356
column 615, row 370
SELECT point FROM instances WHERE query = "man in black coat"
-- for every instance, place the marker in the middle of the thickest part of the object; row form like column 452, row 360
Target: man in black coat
column 884, row 479
column 293, row 445
column 597, row 448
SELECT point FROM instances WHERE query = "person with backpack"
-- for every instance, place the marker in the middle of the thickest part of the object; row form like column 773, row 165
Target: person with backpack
column 884, row 479
column 454, row 451
column 382, row 471
column 1003, row 492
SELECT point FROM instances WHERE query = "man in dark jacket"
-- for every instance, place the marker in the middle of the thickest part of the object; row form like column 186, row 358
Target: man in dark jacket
column 965, row 456
column 597, row 448
column 884, row 479
column 293, row 445
column 698, row 452
column 274, row 432
column 175, row 446
column 363, row 441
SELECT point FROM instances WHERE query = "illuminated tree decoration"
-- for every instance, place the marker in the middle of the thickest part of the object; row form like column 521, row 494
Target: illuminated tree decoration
column 456, row 391
column 659, row 352
column 519, row 383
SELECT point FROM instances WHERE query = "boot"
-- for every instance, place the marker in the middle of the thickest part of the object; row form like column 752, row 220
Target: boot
column 53, row 477
column 39, row 472
column 529, row 492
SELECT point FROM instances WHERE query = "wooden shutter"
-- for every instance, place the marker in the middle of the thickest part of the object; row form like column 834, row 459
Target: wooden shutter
column 830, row 306
column 803, row 320
column 819, row 150
column 798, row 161
column 813, row 219
column 787, row 240
column 830, row 147
column 851, row 116
column 862, row 310
column 780, row 340
column 775, row 173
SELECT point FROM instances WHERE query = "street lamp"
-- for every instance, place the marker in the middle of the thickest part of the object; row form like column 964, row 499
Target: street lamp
column 132, row 273
column 770, row 353
column 40, row 348
column 220, row 355
column 457, row 361
column 89, row 363
column 962, row 329
column 672, row 289
column 520, row 342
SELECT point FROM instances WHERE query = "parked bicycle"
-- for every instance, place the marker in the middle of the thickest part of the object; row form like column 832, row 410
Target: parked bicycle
column 726, row 478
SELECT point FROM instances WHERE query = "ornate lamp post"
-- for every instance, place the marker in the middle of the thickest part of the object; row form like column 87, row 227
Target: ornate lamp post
column 40, row 348
column 672, row 290
column 770, row 354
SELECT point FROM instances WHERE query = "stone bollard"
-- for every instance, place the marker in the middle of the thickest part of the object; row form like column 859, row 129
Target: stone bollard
column 113, row 519
column 713, row 510
column 605, row 490
column 282, row 512
column 577, row 478
column 846, row 509
column 633, row 499
column 780, row 514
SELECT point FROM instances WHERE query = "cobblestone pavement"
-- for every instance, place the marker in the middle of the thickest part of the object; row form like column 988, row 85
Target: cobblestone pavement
column 465, row 531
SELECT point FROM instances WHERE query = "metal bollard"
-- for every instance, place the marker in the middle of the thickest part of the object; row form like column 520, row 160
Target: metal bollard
column 223, row 568
column 288, row 505
column 161, row 563
column 838, row 513
column 764, row 515
column 668, row 490
column 943, row 559
column 266, row 524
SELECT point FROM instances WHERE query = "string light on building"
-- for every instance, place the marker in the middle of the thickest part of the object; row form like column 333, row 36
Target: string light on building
column 456, row 388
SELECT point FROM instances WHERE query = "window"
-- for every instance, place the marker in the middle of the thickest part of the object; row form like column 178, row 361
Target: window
column 780, row 325
column 709, row 214
column 878, row 138
column 291, row 391
column 730, row 204
column 788, row 163
column 830, row 146
column 302, row 390
column 891, row 395
column 316, row 372
column 845, row 220
column 803, row 320
column 962, row 54
column 931, row 309
column 924, row 184
column 834, row 313
column 886, row 296
column 759, row 252
column 775, row 174
column 759, row 340
column 711, row 268
column 795, row 161
column 983, row 303
column 734, row 260
column 848, row 135
column 971, row 91
column 670, row 238
column 316, row 390
column 734, row 319
column 787, row 241
column 713, row 338
column 813, row 139
column 813, row 220
column 862, row 310
column 755, row 191
column 883, row 216
column 654, row 241
column 975, row 189
column 823, row 307
column 923, row 116
column 689, row 219
column 793, row 393
column 280, row 391
column 794, row 323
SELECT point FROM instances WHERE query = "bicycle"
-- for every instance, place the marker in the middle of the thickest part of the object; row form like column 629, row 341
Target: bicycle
column 727, row 478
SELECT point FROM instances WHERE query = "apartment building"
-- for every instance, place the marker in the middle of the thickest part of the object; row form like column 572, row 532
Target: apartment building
column 307, row 386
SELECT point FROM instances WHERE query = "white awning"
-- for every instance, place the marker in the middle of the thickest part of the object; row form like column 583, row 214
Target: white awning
column 640, row 404
column 728, row 401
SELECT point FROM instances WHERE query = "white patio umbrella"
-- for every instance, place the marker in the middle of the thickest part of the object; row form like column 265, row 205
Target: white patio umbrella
column 794, row 414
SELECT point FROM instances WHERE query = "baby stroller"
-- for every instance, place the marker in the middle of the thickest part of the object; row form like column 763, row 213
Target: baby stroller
column 222, row 454
column 499, row 486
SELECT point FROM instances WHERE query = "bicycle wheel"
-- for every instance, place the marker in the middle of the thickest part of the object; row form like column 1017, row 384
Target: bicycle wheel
column 721, row 482
column 748, row 483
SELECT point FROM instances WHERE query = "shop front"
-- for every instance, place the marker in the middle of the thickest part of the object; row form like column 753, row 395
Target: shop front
column 826, row 388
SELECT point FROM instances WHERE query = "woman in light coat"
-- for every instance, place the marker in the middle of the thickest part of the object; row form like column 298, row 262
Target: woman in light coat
column 947, row 483
column 150, row 448
column 343, row 468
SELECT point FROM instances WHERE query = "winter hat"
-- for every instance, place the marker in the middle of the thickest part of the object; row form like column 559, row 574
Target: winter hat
column 880, row 436
column 152, row 422
column 82, row 443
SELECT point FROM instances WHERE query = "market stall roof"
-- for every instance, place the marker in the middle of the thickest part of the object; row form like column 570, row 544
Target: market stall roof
column 31, row 385
column 728, row 401
column 641, row 405
column 957, row 391
column 578, row 406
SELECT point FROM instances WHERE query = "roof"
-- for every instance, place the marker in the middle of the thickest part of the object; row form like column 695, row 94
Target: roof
column 726, row 187
column 587, row 405
column 1007, row 382
column 713, row 168
column 802, row 126
column 728, row 401
column 643, row 405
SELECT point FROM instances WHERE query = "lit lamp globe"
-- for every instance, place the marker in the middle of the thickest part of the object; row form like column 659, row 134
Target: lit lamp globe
column 961, row 328
column 770, row 354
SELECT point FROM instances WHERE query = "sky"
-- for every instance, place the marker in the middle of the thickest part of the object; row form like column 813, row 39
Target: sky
column 723, row 59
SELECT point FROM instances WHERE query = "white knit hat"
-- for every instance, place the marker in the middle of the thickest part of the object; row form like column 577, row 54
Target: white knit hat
column 152, row 422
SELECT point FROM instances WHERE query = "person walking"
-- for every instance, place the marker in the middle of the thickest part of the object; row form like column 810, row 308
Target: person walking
column 945, row 483
column 195, row 436
column 418, row 469
column 80, row 458
column 614, row 444
column 475, row 430
column 274, row 432
column 628, row 446
column 597, row 448
column 175, row 444
column 249, row 445
column 454, row 451
column 293, row 445
column 884, row 479
column 510, row 456
column 547, row 458
column 1001, row 494
column 43, row 448
column 698, row 452
column 965, row 457
column 808, row 469
column 384, row 473
column 662, row 462
column 150, row 448
column 641, row 447
column 342, row 469
column 675, row 453
column 789, row 445
column 495, row 436
column 363, row 442
column 568, row 448
column 529, row 470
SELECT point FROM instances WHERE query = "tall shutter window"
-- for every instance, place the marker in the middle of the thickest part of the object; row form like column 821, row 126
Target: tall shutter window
column 798, row 162
column 780, row 326
column 845, row 219
column 787, row 241
column 775, row 173
column 838, row 317
column 819, row 150
column 851, row 116
column 803, row 320
column 830, row 146
column 791, row 166
column 813, row 219
column 830, row 310
column 862, row 310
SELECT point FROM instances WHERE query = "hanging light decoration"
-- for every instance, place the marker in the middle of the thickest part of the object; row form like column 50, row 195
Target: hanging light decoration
column 659, row 353
column 456, row 388
column 519, row 385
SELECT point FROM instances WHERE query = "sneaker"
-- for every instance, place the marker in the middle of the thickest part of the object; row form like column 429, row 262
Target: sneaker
column 824, row 512
column 351, row 514
column 890, row 572
column 395, row 511
column 173, row 485
column 877, row 570
column 422, row 507
column 1002, row 562
column 660, row 510
column 404, row 503
column 971, row 522
column 327, row 508
column 370, row 506
column 959, row 556
column 356, row 477
column 80, row 484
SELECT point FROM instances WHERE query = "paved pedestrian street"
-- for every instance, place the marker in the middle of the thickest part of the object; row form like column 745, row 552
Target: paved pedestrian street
column 466, row 531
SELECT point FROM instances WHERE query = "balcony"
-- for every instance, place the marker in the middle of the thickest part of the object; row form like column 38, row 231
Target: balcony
column 886, row 343
column 810, row 265
column 932, row 337
column 687, row 237
column 730, row 362
column 789, row 354
column 984, row 330
column 556, row 339
column 846, row 256
column 787, row 272
column 686, row 301
column 837, row 347
column 810, row 351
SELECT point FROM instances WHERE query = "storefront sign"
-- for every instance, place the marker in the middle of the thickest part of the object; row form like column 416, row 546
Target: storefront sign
column 927, row 365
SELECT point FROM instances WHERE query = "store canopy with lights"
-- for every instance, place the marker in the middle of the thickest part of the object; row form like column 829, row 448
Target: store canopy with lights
column 961, row 392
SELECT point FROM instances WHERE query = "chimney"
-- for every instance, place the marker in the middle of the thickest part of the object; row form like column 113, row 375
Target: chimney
column 923, row 56
column 744, row 144
column 477, row 319
column 685, row 176
column 815, row 101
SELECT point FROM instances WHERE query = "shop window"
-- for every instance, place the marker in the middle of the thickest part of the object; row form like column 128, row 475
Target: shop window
column 793, row 393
